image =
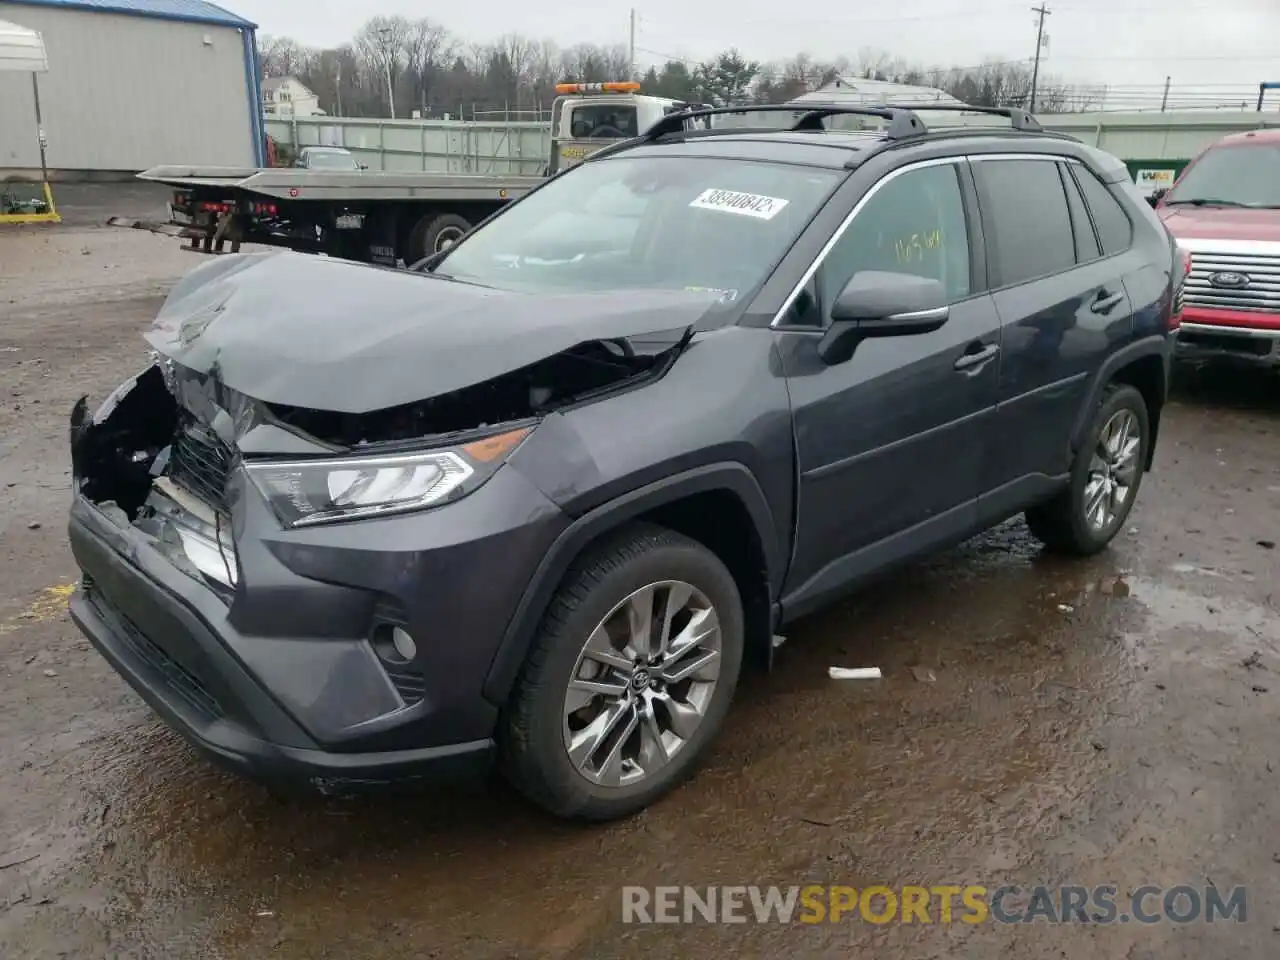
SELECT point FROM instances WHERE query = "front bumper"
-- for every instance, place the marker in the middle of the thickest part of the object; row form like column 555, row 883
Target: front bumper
column 280, row 681
column 1205, row 342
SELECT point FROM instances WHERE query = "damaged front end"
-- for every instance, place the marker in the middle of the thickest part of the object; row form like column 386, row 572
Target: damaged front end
column 585, row 372
column 158, row 455
column 146, row 464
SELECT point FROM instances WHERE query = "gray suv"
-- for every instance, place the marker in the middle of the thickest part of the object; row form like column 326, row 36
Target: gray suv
column 538, row 498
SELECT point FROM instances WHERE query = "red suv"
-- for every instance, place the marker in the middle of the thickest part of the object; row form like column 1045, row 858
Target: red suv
column 1224, row 212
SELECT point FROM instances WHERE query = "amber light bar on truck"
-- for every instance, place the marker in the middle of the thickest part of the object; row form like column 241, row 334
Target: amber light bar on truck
column 609, row 86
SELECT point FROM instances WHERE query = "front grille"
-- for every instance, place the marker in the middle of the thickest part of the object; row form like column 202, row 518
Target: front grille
column 201, row 463
column 1259, row 292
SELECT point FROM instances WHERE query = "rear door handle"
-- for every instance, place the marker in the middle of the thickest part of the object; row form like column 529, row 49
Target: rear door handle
column 977, row 358
column 1105, row 302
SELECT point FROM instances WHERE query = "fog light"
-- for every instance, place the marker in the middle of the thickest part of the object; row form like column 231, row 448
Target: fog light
column 403, row 643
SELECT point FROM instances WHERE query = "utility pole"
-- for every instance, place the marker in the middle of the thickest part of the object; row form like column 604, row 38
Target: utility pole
column 1043, row 11
column 1164, row 101
column 384, row 35
column 338, row 80
column 631, row 46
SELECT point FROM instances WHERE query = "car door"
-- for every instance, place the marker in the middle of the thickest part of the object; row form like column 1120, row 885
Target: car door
column 890, row 443
column 1063, row 307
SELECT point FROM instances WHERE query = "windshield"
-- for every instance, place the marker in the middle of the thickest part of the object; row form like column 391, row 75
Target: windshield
column 332, row 161
column 1243, row 176
column 649, row 223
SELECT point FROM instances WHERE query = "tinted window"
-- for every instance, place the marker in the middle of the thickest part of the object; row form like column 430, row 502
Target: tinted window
column 913, row 224
column 1234, row 176
column 1025, row 206
column 1114, row 228
column 657, row 222
column 1086, row 242
column 590, row 121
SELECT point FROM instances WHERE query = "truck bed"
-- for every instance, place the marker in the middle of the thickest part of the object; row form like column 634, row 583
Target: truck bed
column 288, row 183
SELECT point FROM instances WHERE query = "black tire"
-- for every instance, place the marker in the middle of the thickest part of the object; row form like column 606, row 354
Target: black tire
column 534, row 754
column 1061, row 524
column 432, row 230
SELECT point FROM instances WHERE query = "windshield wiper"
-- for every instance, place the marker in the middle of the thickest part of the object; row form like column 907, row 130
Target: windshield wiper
column 1206, row 202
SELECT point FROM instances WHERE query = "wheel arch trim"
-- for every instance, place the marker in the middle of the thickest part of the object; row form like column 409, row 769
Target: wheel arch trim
column 1153, row 346
column 734, row 478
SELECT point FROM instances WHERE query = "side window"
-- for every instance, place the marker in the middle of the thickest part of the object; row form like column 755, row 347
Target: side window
column 915, row 224
column 1086, row 240
column 1025, row 210
column 1114, row 228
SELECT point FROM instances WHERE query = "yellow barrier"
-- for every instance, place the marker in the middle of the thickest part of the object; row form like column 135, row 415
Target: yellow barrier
column 50, row 217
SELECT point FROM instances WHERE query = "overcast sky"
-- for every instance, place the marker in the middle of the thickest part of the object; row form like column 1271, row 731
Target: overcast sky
column 1227, row 45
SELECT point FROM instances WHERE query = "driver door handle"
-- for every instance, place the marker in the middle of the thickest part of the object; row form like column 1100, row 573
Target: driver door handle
column 972, row 358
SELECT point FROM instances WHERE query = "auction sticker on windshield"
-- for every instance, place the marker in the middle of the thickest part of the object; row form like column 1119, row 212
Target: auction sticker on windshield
column 746, row 204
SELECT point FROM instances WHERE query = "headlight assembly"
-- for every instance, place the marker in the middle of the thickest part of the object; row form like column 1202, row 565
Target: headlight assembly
column 306, row 492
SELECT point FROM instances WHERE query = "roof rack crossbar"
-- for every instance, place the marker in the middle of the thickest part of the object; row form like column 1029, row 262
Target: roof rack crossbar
column 1019, row 119
column 901, row 122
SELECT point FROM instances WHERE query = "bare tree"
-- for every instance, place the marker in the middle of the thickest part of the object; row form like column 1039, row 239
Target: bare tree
column 381, row 45
column 281, row 56
column 432, row 70
column 428, row 50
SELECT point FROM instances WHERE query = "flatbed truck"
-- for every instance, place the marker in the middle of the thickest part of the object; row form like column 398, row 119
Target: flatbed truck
column 381, row 217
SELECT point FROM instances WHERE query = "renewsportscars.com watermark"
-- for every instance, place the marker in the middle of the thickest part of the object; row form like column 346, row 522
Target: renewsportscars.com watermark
column 815, row 904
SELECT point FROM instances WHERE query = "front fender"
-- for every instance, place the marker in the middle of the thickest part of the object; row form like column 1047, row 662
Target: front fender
column 727, row 476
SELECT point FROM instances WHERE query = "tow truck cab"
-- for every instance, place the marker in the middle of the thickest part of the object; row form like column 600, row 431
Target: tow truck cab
column 588, row 116
column 1224, row 212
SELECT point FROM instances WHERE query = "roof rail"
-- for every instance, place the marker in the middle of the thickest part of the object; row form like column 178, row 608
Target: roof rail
column 902, row 122
column 1020, row 119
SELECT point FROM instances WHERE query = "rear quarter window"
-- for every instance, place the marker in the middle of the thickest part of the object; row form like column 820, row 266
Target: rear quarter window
column 1114, row 229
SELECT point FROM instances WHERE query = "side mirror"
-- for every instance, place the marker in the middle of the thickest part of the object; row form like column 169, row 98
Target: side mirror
column 299, row 162
column 1157, row 196
column 882, row 304
column 364, row 166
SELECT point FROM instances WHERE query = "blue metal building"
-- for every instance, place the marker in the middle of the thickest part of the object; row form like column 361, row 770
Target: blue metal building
column 133, row 84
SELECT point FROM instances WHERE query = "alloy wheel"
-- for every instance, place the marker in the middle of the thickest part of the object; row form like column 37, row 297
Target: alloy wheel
column 1113, row 469
column 642, row 684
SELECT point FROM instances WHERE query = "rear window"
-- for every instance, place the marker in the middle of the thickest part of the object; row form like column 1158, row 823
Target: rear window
column 1026, row 206
column 332, row 161
column 603, row 121
column 647, row 222
column 1245, row 175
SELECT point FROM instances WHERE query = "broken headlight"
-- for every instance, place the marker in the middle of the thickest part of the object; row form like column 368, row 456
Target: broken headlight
column 305, row 492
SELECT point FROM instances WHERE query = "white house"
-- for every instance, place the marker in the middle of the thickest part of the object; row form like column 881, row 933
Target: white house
column 288, row 97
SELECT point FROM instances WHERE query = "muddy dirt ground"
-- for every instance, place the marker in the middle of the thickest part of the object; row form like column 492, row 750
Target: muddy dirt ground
column 1110, row 721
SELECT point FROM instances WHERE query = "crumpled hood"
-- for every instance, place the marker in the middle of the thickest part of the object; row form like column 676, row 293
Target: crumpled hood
column 1221, row 223
column 307, row 331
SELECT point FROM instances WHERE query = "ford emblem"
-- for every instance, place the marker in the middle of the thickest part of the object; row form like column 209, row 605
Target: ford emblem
column 1233, row 281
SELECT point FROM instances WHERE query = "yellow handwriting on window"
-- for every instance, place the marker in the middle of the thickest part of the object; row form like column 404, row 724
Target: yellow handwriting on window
column 915, row 248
